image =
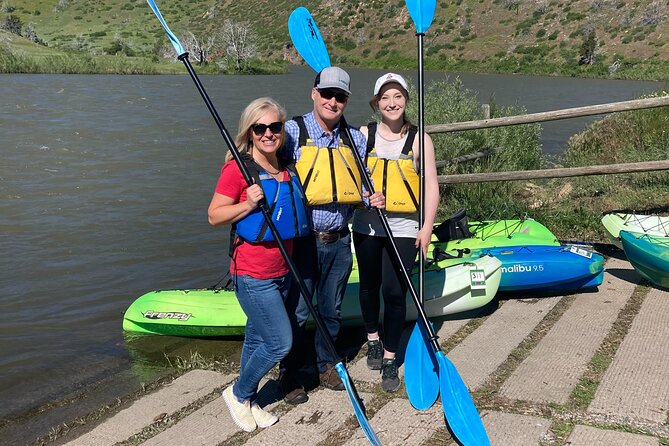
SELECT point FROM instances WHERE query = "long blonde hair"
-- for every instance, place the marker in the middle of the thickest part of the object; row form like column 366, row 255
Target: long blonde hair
column 254, row 111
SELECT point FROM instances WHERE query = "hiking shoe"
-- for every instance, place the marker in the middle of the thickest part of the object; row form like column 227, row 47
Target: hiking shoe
column 292, row 392
column 240, row 412
column 374, row 354
column 330, row 378
column 263, row 419
column 390, row 382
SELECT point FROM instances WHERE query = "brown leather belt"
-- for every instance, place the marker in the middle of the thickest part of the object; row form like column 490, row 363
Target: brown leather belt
column 327, row 237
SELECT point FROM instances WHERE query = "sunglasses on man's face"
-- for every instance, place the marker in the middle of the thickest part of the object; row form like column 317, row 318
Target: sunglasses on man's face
column 328, row 94
column 260, row 129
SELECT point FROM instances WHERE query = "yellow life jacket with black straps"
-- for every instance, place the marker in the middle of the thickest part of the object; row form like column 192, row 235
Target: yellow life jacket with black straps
column 328, row 175
column 397, row 179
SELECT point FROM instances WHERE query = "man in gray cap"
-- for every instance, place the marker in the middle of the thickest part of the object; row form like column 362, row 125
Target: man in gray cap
column 325, row 164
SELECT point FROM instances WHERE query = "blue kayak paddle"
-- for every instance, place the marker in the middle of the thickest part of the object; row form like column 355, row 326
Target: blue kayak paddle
column 421, row 375
column 358, row 407
column 459, row 409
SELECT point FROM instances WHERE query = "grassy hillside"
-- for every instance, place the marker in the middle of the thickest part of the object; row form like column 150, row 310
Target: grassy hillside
column 528, row 36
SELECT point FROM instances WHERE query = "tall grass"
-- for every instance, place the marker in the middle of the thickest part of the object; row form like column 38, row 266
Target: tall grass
column 449, row 101
column 641, row 135
column 73, row 63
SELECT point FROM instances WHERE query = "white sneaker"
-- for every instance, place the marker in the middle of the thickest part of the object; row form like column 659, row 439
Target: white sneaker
column 263, row 419
column 240, row 412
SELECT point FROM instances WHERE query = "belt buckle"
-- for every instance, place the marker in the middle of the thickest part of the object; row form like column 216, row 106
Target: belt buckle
column 327, row 237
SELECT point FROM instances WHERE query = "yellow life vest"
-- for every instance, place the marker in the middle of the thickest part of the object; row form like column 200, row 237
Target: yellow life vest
column 397, row 179
column 328, row 175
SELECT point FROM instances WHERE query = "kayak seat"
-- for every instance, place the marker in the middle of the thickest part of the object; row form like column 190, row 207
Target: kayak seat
column 453, row 228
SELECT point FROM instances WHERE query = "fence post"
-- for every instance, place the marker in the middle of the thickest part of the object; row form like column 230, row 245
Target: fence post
column 485, row 108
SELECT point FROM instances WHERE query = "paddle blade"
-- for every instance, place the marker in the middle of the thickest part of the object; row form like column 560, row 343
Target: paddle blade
column 173, row 39
column 307, row 39
column 422, row 13
column 357, row 405
column 461, row 414
column 421, row 370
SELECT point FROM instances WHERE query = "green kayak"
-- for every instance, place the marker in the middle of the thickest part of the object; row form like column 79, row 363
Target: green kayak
column 451, row 286
column 501, row 233
column 615, row 222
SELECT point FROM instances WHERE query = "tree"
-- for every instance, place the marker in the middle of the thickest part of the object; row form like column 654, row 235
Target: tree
column 200, row 48
column 588, row 48
column 12, row 24
column 239, row 42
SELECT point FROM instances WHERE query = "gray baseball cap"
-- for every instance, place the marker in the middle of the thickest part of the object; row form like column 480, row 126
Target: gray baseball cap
column 333, row 77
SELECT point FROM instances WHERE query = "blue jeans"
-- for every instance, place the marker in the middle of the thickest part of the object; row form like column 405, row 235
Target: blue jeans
column 325, row 269
column 268, row 336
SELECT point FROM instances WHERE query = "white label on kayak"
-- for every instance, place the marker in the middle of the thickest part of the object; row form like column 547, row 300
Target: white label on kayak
column 580, row 251
column 477, row 277
column 176, row 315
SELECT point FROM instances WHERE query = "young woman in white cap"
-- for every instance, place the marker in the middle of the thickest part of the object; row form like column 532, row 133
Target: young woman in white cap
column 393, row 159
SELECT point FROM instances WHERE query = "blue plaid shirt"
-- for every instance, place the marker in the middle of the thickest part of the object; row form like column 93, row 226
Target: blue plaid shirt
column 325, row 217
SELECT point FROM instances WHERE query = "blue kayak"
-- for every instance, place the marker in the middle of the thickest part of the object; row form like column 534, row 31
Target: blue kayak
column 547, row 268
column 649, row 255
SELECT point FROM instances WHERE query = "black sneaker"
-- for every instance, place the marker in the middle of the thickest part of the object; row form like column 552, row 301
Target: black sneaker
column 390, row 381
column 374, row 354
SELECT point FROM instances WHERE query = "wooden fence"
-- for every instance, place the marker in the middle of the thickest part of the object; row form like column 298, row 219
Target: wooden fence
column 555, row 115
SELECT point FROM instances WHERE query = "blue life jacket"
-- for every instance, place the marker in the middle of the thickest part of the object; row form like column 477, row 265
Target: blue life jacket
column 287, row 206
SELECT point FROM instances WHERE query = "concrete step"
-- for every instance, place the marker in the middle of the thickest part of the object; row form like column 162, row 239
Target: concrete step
column 591, row 436
column 552, row 370
column 636, row 384
column 169, row 399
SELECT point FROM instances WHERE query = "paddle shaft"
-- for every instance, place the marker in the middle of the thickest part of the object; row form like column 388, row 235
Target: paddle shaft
column 262, row 205
column 421, row 152
column 367, row 182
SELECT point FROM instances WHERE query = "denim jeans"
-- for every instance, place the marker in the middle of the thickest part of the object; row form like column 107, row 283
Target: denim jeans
column 325, row 269
column 268, row 336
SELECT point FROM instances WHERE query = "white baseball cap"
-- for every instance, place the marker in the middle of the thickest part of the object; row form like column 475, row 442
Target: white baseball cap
column 387, row 78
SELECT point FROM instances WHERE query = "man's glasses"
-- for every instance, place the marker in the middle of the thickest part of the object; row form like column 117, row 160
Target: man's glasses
column 328, row 93
column 260, row 129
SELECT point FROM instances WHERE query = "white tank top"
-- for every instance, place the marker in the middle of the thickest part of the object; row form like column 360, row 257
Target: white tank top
column 366, row 221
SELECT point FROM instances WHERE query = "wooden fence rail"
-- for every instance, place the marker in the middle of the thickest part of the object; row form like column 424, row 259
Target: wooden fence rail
column 646, row 166
column 555, row 115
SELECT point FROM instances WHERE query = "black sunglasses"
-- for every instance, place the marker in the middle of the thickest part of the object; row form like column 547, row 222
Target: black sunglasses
column 328, row 93
column 260, row 129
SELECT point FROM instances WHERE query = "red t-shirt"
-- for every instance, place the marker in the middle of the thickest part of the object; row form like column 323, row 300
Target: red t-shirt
column 261, row 260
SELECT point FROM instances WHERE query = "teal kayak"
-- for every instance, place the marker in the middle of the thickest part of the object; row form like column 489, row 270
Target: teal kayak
column 649, row 255
column 451, row 286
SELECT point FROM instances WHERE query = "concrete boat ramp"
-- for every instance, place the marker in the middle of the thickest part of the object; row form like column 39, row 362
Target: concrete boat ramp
column 581, row 370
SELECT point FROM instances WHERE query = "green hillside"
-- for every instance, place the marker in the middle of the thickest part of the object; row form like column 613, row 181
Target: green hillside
column 517, row 36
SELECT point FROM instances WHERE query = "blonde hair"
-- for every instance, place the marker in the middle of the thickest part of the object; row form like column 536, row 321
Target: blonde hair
column 254, row 111
column 374, row 103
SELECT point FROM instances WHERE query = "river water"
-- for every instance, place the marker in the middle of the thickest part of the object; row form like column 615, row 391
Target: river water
column 104, row 187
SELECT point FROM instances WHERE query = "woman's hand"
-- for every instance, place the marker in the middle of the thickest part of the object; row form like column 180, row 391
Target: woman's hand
column 423, row 239
column 377, row 200
column 254, row 194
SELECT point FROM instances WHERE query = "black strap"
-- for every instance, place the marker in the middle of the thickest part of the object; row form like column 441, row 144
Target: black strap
column 304, row 134
column 371, row 136
column 411, row 135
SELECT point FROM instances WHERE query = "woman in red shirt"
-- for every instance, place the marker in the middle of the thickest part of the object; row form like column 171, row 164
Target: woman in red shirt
column 260, row 274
